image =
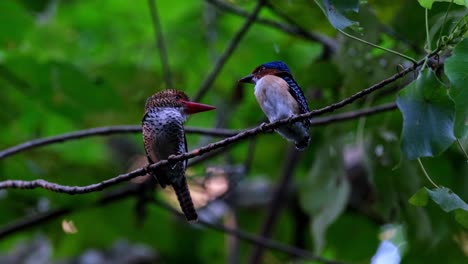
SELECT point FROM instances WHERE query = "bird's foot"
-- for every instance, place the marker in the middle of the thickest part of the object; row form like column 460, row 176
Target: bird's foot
column 171, row 163
column 263, row 126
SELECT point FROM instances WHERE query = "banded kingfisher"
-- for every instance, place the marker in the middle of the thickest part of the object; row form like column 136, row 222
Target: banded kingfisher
column 280, row 97
column 163, row 135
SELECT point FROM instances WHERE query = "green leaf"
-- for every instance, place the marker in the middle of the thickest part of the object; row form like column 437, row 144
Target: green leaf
column 334, row 10
column 420, row 198
column 449, row 201
column 446, row 199
column 456, row 69
column 428, row 117
column 428, row 3
column 462, row 217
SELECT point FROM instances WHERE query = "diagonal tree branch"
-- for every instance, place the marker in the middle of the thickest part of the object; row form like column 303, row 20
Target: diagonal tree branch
column 19, row 184
column 160, row 43
column 229, row 50
column 329, row 43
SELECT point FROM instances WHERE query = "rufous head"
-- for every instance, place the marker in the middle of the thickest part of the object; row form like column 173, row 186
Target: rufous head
column 176, row 99
column 269, row 68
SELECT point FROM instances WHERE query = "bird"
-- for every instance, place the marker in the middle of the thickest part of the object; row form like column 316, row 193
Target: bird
column 280, row 97
column 163, row 135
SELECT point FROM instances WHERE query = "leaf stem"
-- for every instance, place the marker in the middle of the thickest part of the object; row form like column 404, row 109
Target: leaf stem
column 463, row 149
column 428, row 37
column 378, row 47
column 426, row 174
column 445, row 20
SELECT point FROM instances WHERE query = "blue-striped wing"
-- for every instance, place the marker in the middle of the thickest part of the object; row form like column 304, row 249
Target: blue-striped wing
column 297, row 93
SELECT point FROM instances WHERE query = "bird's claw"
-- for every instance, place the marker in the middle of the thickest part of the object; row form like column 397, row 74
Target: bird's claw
column 171, row 162
column 263, row 126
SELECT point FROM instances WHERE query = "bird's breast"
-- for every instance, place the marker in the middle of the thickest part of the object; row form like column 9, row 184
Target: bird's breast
column 163, row 133
column 273, row 96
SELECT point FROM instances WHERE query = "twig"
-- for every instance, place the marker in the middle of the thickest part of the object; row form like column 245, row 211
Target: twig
column 352, row 114
column 294, row 30
column 229, row 50
column 160, row 43
column 276, row 203
column 265, row 242
column 426, row 174
column 102, row 131
column 378, row 46
column 18, row 184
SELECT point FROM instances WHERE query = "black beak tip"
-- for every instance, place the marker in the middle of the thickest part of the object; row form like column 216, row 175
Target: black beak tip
column 246, row 79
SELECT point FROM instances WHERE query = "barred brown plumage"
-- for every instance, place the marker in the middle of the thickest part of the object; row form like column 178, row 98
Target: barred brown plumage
column 163, row 135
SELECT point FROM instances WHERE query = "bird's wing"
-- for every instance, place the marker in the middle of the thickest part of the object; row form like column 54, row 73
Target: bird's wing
column 149, row 141
column 185, row 150
column 297, row 93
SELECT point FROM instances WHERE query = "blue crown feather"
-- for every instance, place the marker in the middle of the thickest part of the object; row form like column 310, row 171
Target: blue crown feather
column 277, row 65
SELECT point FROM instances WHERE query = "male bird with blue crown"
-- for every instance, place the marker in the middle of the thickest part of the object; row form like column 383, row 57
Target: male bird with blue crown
column 163, row 136
column 280, row 97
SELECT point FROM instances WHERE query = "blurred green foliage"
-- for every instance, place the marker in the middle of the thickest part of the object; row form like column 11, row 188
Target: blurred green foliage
column 70, row 65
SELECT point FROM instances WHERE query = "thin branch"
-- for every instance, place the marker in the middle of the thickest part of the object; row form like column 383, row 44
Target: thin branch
column 258, row 240
column 160, row 43
column 352, row 114
column 18, row 184
column 293, row 29
column 229, row 50
column 277, row 202
column 377, row 46
column 103, row 131
column 426, row 174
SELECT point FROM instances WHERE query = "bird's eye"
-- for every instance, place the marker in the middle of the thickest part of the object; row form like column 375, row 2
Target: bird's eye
column 178, row 97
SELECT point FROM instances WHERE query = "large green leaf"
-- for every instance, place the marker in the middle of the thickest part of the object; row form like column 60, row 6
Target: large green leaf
column 446, row 199
column 334, row 10
column 456, row 69
column 428, row 117
column 449, row 201
column 428, row 3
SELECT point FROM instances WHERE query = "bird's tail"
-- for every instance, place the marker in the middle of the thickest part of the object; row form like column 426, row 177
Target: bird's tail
column 185, row 200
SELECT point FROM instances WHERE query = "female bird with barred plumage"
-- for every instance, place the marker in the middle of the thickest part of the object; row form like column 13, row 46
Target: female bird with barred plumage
column 163, row 135
column 280, row 97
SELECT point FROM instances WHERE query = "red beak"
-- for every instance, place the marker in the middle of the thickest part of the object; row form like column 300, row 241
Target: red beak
column 193, row 107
